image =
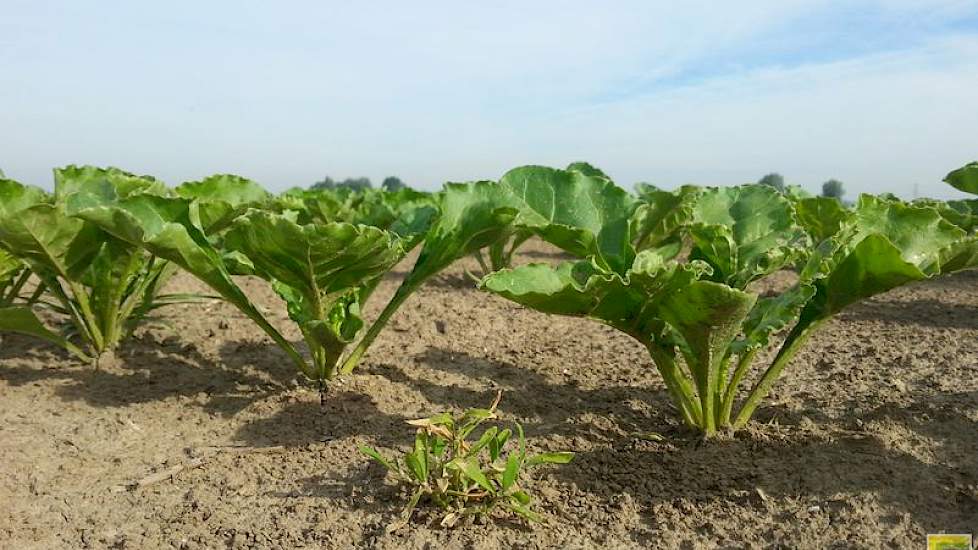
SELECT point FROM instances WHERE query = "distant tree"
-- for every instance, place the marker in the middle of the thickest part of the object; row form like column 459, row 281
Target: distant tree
column 774, row 180
column 392, row 183
column 356, row 184
column 325, row 183
column 833, row 188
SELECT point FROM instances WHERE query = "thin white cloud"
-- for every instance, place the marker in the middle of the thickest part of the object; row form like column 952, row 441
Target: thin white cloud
column 440, row 91
column 886, row 122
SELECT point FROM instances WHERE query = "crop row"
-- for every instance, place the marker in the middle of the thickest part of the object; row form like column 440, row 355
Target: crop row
column 673, row 269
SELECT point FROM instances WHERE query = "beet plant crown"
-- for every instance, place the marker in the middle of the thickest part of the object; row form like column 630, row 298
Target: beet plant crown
column 323, row 272
column 697, row 317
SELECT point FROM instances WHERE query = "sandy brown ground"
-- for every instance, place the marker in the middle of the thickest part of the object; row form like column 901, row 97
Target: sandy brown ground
column 869, row 441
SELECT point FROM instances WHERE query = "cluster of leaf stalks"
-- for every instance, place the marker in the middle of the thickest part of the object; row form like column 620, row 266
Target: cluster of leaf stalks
column 101, row 285
column 462, row 473
column 676, row 270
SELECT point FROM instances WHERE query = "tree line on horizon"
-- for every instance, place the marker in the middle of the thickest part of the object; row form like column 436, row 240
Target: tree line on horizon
column 832, row 188
column 390, row 183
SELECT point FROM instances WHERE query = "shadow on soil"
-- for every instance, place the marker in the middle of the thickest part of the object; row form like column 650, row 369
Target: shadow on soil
column 929, row 312
column 148, row 369
column 797, row 466
column 453, row 281
column 832, row 465
column 821, row 464
column 626, row 409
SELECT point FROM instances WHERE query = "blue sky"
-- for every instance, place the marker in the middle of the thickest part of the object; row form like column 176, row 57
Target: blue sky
column 882, row 95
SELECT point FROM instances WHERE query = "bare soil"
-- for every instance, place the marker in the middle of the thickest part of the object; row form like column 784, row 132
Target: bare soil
column 870, row 440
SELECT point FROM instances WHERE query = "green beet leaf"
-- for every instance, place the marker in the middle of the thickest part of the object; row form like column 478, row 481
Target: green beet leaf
column 745, row 233
column 587, row 169
column 578, row 211
column 964, row 178
column 104, row 285
column 114, row 182
column 661, row 217
column 222, row 198
column 821, row 217
column 15, row 197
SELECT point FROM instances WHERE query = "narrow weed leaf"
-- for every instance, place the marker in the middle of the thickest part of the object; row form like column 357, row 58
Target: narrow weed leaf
column 487, row 437
column 513, row 464
column 550, row 458
column 372, row 453
column 497, row 444
column 472, row 470
column 528, row 514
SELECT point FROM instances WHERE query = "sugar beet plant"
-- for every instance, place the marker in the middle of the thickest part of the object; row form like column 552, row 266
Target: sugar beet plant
column 323, row 270
column 465, row 474
column 102, row 285
column 698, row 317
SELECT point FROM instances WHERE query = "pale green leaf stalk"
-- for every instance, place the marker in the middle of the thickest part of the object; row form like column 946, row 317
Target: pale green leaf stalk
column 14, row 275
column 23, row 320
